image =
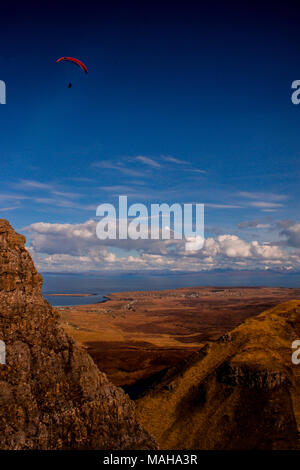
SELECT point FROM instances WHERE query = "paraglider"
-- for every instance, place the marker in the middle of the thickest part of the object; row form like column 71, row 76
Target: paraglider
column 75, row 61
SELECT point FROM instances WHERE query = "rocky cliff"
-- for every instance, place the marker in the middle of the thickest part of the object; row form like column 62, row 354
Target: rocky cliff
column 241, row 392
column 52, row 395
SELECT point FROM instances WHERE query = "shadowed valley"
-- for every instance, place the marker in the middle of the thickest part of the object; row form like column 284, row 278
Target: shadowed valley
column 135, row 336
column 241, row 392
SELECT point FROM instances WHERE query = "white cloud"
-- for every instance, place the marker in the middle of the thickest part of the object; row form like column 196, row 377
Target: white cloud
column 256, row 223
column 57, row 202
column 5, row 209
column 119, row 166
column 292, row 234
column 66, row 194
column 196, row 170
column 7, row 197
column 265, row 204
column 69, row 247
column 148, row 161
column 118, row 188
column 264, row 196
column 30, row 184
column 222, row 206
column 178, row 161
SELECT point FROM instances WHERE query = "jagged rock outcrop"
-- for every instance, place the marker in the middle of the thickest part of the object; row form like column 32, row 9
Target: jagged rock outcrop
column 52, row 395
column 241, row 392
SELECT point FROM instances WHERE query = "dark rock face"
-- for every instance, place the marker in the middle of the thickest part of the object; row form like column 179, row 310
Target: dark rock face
column 52, row 395
column 250, row 377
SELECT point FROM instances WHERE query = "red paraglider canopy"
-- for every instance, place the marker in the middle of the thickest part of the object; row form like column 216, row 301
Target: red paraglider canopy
column 76, row 61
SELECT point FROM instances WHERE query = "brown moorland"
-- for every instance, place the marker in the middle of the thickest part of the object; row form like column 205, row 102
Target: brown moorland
column 240, row 392
column 135, row 336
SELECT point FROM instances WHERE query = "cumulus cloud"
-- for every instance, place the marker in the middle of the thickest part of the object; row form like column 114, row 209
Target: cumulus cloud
column 292, row 234
column 75, row 247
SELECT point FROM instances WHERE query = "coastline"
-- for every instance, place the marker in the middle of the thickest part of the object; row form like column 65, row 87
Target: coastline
column 135, row 335
column 70, row 295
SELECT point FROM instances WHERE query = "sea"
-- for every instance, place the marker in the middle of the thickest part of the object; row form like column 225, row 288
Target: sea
column 101, row 286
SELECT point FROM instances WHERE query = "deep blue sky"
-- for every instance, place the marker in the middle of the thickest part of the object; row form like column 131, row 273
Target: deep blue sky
column 209, row 85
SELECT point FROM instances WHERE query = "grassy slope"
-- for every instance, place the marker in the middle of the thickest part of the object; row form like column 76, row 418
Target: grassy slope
column 240, row 392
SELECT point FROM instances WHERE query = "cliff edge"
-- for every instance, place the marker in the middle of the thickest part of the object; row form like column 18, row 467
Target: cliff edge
column 52, row 395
